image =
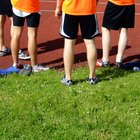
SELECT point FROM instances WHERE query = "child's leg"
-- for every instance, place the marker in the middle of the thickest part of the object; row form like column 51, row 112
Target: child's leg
column 15, row 43
column 122, row 44
column 106, row 39
column 2, row 22
column 32, row 44
column 91, row 56
column 11, row 29
column 68, row 57
column 33, row 21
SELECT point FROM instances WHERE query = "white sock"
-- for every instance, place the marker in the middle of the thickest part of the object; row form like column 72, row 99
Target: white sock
column 118, row 58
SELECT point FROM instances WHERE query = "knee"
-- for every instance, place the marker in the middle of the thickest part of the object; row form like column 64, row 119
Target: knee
column 105, row 29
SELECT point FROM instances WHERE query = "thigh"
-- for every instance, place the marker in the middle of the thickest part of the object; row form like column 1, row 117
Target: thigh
column 89, row 26
column 16, row 32
column 18, row 21
column 69, row 26
column 90, row 43
column 32, row 32
column 33, row 20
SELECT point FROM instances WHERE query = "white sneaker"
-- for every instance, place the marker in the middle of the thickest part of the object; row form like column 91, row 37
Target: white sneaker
column 40, row 68
column 22, row 55
column 5, row 51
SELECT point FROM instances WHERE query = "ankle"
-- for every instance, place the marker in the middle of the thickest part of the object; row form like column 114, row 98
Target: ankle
column 105, row 60
column 119, row 58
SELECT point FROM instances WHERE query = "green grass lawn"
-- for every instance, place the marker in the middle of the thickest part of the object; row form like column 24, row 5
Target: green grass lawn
column 39, row 107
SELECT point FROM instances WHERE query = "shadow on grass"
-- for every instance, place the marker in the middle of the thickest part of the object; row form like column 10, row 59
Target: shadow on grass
column 112, row 72
column 112, row 52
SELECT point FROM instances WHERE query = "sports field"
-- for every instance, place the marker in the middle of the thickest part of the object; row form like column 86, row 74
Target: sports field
column 39, row 107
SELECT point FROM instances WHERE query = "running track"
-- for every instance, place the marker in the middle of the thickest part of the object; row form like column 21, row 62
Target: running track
column 50, row 43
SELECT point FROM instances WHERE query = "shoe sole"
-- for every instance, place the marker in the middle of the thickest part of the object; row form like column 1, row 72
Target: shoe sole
column 25, row 72
column 24, row 58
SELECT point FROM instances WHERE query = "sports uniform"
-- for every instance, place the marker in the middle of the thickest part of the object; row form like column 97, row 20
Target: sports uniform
column 29, row 10
column 119, row 15
column 77, row 13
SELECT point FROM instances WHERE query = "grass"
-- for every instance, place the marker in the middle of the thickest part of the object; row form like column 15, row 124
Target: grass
column 39, row 107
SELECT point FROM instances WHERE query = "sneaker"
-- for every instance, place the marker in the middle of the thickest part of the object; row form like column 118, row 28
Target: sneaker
column 119, row 65
column 40, row 68
column 26, row 71
column 6, row 51
column 66, row 81
column 12, row 69
column 23, row 56
column 102, row 64
column 3, row 72
column 93, row 81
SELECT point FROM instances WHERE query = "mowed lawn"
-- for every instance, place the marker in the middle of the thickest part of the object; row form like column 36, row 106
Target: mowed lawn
column 39, row 107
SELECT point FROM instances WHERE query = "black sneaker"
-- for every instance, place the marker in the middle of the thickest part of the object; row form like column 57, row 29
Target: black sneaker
column 6, row 51
column 102, row 64
column 26, row 71
column 93, row 81
column 66, row 81
column 23, row 56
column 119, row 65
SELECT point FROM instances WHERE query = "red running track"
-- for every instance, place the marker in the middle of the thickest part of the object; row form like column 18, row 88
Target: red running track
column 50, row 43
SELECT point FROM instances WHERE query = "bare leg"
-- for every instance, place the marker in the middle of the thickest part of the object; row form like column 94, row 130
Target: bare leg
column 2, row 22
column 91, row 56
column 68, row 57
column 11, row 30
column 122, row 44
column 15, row 43
column 106, row 39
column 32, row 44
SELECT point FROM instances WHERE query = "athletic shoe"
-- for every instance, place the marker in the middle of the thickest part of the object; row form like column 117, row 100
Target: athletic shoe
column 22, row 55
column 26, row 71
column 3, row 72
column 6, row 51
column 119, row 65
column 93, row 81
column 102, row 64
column 40, row 68
column 12, row 69
column 66, row 81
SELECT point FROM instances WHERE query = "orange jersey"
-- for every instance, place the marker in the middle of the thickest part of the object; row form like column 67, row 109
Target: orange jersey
column 122, row 2
column 30, row 6
column 79, row 7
